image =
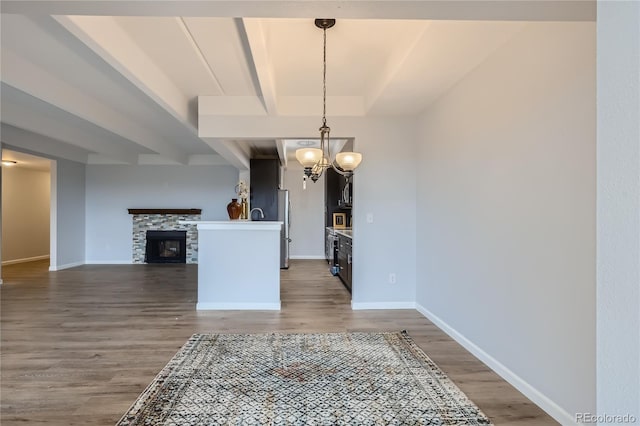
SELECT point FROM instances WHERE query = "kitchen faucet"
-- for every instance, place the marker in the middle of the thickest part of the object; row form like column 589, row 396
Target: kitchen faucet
column 259, row 210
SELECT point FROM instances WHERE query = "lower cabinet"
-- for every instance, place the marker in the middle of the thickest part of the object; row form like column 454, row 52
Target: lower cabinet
column 345, row 260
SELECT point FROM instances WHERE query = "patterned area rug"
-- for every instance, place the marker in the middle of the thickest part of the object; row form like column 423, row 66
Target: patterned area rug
column 302, row 379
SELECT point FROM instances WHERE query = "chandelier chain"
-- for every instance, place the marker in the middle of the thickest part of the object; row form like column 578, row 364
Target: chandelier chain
column 324, row 77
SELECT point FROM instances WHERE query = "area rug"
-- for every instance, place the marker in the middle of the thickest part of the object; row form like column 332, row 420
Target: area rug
column 302, row 379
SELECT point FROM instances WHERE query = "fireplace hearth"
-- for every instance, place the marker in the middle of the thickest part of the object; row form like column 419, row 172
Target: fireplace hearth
column 166, row 247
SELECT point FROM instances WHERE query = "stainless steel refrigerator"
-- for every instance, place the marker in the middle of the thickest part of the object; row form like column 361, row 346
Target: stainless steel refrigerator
column 284, row 216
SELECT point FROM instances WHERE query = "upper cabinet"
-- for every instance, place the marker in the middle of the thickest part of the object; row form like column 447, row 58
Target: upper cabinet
column 338, row 196
column 264, row 185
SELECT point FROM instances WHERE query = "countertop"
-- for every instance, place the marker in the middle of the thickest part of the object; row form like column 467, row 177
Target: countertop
column 239, row 225
column 346, row 232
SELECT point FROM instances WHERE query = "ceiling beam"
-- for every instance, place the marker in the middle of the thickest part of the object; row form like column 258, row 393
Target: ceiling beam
column 267, row 127
column 112, row 43
column 261, row 63
column 194, row 160
column 198, row 52
column 230, row 105
column 19, row 139
column 230, row 151
column 29, row 78
column 282, row 152
column 225, row 147
column 26, row 118
column 485, row 10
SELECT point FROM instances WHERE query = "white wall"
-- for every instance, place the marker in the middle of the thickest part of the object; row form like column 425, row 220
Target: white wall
column 25, row 217
column 68, row 212
column 385, row 187
column 307, row 214
column 111, row 190
column 618, row 311
column 506, row 204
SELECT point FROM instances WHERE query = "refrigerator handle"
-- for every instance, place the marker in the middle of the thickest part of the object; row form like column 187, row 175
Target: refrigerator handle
column 289, row 223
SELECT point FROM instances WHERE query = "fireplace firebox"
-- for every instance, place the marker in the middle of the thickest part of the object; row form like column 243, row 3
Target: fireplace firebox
column 166, row 247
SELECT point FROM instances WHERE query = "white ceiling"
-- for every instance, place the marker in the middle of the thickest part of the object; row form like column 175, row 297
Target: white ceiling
column 122, row 86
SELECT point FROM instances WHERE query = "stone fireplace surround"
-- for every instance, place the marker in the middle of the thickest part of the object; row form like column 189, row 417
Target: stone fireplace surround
column 164, row 220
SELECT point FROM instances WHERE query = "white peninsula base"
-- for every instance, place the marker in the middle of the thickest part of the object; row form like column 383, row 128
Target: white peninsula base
column 238, row 265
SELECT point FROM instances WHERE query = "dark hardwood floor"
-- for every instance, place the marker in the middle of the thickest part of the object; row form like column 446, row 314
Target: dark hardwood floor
column 79, row 345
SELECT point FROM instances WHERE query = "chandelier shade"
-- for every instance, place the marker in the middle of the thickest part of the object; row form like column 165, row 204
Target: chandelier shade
column 308, row 157
column 348, row 161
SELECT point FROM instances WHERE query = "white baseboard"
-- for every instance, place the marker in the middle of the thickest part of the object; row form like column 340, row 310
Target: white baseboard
column 307, row 257
column 238, row 306
column 25, row 260
column 537, row 397
column 54, row 268
column 109, row 262
column 356, row 306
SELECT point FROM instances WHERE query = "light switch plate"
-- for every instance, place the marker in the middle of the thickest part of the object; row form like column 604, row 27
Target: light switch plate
column 369, row 217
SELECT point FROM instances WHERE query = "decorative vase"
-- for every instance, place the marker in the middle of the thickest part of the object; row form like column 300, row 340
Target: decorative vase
column 245, row 209
column 234, row 208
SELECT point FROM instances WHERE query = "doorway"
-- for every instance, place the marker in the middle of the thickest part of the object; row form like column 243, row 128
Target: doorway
column 26, row 207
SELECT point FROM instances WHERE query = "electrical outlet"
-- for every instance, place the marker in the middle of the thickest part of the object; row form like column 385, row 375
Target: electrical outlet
column 392, row 278
column 369, row 217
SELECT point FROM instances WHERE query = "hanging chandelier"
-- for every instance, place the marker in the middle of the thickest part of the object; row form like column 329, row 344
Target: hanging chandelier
column 315, row 161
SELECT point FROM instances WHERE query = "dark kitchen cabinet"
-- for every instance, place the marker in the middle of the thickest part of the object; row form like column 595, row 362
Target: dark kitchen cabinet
column 345, row 270
column 264, row 185
column 337, row 199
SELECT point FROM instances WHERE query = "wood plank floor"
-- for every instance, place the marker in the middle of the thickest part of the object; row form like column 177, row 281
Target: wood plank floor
column 79, row 345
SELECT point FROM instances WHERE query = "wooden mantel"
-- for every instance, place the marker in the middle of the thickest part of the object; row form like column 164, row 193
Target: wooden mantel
column 165, row 211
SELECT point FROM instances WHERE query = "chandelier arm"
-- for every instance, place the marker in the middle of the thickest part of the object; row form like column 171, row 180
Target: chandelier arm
column 339, row 170
column 329, row 146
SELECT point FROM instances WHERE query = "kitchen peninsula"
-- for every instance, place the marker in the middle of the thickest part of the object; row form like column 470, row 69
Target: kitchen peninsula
column 238, row 265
